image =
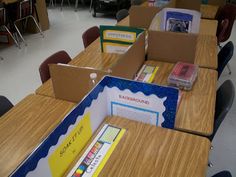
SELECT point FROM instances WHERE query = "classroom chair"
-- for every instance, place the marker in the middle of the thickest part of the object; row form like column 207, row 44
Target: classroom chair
column 5, row 105
column 24, row 12
column 224, row 56
column 90, row 35
column 121, row 14
column 228, row 11
column 4, row 23
column 224, row 100
column 58, row 57
column 223, row 174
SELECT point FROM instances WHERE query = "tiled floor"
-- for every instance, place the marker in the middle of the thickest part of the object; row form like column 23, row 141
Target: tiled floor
column 19, row 71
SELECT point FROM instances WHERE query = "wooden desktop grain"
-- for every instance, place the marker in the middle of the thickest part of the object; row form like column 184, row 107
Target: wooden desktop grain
column 196, row 110
column 208, row 11
column 147, row 150
column 24, row 127
column 206, row 52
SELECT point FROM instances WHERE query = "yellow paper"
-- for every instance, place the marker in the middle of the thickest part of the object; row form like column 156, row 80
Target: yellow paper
column 66, row 152
column 153, row 75
column 125, row 36
column 109, row 152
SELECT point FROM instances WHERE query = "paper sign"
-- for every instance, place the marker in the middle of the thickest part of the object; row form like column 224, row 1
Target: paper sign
column 117, row 39
column 99, row 151
column 70, row 147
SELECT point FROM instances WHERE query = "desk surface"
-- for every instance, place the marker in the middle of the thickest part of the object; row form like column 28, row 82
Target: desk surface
column 208, row 11
column 146, row 150
column 25, row 126
column 196, row 110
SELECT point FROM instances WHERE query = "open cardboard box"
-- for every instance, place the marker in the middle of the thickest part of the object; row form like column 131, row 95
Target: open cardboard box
column 71, row 83
column 112, row 96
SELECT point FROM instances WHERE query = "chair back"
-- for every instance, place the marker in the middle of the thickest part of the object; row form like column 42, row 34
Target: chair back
column 223, row 174
column 121, row 14
column 222, row 28
column 224, row 100
column 5, row 105
column 58, row 57
column 224, row 56
column 25, row 8
column 2, row 16
column 228, row 11
column 90, row 35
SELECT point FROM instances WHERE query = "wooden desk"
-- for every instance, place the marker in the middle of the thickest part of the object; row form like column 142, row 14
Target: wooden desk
column 146, row 150
column 197, row 107
column 206, row 56
column 208, row 11
column 25, row 126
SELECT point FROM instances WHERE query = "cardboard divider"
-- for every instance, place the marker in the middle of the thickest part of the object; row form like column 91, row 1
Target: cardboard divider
column 72, row 83
column 217, row 2
column 141, row 17
column 186, row 4
column 171, row 47
column 131, row 61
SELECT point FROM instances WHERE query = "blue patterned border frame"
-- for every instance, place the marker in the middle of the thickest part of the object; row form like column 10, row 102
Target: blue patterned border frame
column 148, row 89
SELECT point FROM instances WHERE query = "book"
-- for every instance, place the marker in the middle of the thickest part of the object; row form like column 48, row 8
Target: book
column 146, row 73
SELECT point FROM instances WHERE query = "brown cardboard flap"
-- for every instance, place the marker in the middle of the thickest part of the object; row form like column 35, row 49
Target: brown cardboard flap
column 171, row 47
column 129, row 64
column 217, row 2
column 188, row 4
column 141, row 17
column 72, row 83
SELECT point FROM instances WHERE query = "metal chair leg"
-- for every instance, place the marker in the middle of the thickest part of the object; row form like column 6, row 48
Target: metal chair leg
column 68, row 1
column 91, row 4
column 62, row 1
column 228, row 66
column 76, row 5
column 37, row 25
column 51, row 3
column 210, row 164
column 15, row 40
column 23, row 40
